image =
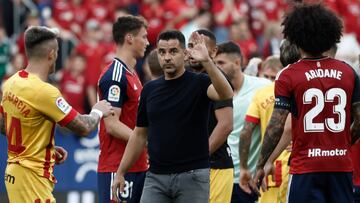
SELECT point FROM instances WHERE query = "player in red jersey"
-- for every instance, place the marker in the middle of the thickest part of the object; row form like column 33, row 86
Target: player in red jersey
column 323, row 96
column 119, row 84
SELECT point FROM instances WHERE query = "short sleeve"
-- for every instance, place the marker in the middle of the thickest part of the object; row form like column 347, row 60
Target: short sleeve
column 204, row 81
column 142, row 118
column 282, row 85
column 113, row 91
column 51, row 103
column 282, row 91
column 252, row 114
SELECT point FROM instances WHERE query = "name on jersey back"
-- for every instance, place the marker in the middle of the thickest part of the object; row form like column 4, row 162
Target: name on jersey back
column 19, row 104
column 323, row 73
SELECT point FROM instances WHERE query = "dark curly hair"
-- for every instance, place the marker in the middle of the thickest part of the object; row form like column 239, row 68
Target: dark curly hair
column 313, row 28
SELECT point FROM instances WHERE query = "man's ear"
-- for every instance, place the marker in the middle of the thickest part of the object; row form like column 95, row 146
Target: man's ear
column 129, row 38
column 213, row 52
column 52, row 54
column 186, row 55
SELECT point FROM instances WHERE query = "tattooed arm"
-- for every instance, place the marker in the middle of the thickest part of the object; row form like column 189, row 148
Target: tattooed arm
column 355, row 127
column 244, row 148
column 245, row 141
column 273, row 134
column 84, row 124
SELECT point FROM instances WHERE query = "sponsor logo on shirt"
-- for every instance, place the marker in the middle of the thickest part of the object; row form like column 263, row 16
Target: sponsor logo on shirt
column 63, row 105
column 317, row 152
column 114, row 93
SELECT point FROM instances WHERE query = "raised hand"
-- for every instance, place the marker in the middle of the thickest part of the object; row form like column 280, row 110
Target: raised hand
column 199, row 52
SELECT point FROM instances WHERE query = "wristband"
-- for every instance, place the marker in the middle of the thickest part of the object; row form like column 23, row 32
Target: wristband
column 98, row 112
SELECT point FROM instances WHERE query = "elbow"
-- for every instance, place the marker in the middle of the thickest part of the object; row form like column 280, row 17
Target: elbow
column 228, row 128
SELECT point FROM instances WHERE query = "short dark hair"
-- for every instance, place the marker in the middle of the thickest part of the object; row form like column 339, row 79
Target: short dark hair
column 289, row 53
column 207, row 33
column 230, row 48
column 313, row 28
column 172, row 34
column 154, row 65
column 125, row 25
column 35, row 36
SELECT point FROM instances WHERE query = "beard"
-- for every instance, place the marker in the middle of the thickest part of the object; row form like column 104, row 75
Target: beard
column 198, row 67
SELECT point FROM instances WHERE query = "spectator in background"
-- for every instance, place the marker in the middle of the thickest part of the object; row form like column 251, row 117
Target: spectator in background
column 272, row 39
column 94, row 51
column 226, row 12
column 32, row 19
column 4, row 53
column 178, row 13
column 72, row 82
column 119, row 84
column 240, row 34
column 229, row 59
column 202, row 20
column 154, row 13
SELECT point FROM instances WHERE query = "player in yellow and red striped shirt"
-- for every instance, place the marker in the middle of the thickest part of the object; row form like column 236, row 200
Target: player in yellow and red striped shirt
column 31, row 107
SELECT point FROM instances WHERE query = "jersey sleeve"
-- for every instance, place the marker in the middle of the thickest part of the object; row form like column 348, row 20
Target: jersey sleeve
column 282, row 90
column 252, row 114
column 204, row 81
column 113, row 90
column 142, row 118
column 51, row 103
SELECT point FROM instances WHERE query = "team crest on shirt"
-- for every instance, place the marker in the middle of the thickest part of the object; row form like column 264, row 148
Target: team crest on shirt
column 63, row 105
column 114, row 93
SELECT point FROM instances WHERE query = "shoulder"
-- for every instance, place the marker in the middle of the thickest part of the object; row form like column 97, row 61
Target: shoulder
column 256, row 81
column 150, row 85
column 116, row 72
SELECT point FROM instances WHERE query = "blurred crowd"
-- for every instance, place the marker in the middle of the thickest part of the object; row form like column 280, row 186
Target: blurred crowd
column 86, row 33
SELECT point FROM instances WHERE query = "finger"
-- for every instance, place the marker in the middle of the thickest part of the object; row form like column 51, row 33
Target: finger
column 264, row 185
column 254, row 188
column 245, row 187
column 114, row 191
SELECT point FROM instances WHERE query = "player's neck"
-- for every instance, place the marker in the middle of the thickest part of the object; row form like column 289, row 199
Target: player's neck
column 39, row 69
column 237, row 82
column 306, row 55
column 127, row 57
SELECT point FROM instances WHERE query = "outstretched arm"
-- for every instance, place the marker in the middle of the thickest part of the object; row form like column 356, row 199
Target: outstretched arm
column 84, row 124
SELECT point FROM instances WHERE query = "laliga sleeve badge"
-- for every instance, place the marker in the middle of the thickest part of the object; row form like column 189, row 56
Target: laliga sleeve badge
column 63, row 105
column 114, row 93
